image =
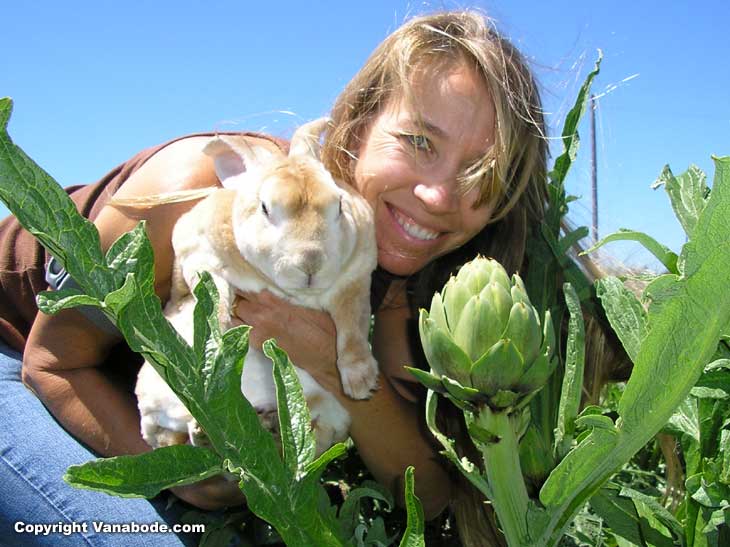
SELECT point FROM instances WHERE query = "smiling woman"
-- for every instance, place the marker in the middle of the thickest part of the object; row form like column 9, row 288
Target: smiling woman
column 441, row 132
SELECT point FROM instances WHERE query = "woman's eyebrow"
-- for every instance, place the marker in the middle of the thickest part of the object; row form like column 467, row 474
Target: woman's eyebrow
column 422, row 123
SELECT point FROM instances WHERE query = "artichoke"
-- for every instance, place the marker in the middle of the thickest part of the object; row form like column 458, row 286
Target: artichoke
column 484, row 340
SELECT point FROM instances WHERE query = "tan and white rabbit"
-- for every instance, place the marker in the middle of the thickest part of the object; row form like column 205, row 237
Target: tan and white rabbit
column 281, row 223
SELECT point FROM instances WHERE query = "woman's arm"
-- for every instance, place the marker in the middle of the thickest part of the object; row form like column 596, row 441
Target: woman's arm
column 387, row 428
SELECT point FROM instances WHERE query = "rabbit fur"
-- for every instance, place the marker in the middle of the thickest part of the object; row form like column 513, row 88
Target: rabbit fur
column 280, row 223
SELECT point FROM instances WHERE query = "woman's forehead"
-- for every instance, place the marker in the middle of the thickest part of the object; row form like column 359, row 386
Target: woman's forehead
column 452, row 103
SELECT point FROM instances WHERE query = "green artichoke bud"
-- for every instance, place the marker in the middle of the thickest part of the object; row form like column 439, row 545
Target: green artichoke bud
column 483, row 335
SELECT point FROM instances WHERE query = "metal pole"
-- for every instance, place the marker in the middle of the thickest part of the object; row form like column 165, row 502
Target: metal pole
column 594, row 171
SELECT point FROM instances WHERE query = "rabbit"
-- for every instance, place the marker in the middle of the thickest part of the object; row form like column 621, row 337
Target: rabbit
column 280, row 223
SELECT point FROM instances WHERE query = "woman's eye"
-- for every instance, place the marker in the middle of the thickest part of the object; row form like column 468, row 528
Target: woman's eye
column 419, row 142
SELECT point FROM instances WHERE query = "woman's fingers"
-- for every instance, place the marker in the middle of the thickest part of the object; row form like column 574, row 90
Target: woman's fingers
column 304, row 333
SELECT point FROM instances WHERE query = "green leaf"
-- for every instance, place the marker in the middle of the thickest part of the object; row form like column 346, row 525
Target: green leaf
column 146, row 475
column 724, row 456
column 684, row 336
column 625, row 512
column 570, row 270
column 207, row 332
column 685, row 420
column 466, row 467
column 429, row 380
column 47, row 212
column 688, row 194
column 618, row 513
column 573, row 378
column 52, row 302
column 575, row 472
column 710, row 235
column 132, row 253
column 316, row 468
column 572, row 238
column 413, row 535
column 295, row 423
column 456, row 390
column 207, row 381
column 663, row 253
column 624, row 312
column 570, row 129
column 349, row 513
column 664, row 524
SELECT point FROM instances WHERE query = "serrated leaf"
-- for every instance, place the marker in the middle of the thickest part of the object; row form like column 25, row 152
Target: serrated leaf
column 570, row 128
column 466, row 467
column 688, row 195
column 51, row 302
column 683, row 337
column 47, row 212
column 685, row 420
column 316, row 468
column 624, row 312
column 349, row 513
column 572, row 238
column 132, row 253
column 573, row 377
column 574, row 471
column 211, row 389
column 295, row 423
column 663, row 253
column 622, row 516
column 657, row 515
column 413, row 535
column 146, row 475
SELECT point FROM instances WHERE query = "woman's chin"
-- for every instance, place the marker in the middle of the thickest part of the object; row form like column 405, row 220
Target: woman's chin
column 400, row 264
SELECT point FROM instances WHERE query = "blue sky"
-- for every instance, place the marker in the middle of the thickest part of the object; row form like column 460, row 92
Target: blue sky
column 94, row 82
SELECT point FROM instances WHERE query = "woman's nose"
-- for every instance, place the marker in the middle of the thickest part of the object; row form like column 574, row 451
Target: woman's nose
column 438, row 197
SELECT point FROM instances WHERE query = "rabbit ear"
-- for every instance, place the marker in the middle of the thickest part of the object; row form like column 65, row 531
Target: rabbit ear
column 305, row 141
column 231, row 158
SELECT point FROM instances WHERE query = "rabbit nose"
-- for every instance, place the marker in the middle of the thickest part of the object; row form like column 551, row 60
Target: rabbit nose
column 311, row 261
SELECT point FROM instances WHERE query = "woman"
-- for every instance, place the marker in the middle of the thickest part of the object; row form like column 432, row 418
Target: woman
column 441, row 131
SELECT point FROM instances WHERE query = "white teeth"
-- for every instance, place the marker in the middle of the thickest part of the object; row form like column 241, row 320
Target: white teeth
column 414, row 230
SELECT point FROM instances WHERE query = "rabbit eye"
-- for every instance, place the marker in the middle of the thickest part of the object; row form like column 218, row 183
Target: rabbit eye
column 264, row 209
column 339, row 210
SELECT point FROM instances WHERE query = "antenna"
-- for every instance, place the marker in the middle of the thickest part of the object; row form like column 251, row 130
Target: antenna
column 594, row 171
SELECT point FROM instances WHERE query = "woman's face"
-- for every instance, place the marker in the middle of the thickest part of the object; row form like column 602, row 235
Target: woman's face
column 408, row 165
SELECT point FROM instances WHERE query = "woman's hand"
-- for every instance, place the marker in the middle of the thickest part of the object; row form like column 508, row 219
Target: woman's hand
column 211, row 494
column 308, row 336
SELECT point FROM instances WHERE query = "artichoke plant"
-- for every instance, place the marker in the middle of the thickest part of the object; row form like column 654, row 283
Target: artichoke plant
column 484, row 340
column 489, row 354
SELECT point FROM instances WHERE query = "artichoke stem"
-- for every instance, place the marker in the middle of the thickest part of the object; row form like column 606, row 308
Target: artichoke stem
column 504, row 475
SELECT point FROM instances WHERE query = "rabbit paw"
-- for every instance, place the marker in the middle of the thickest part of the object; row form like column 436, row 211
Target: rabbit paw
column 359, row 377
